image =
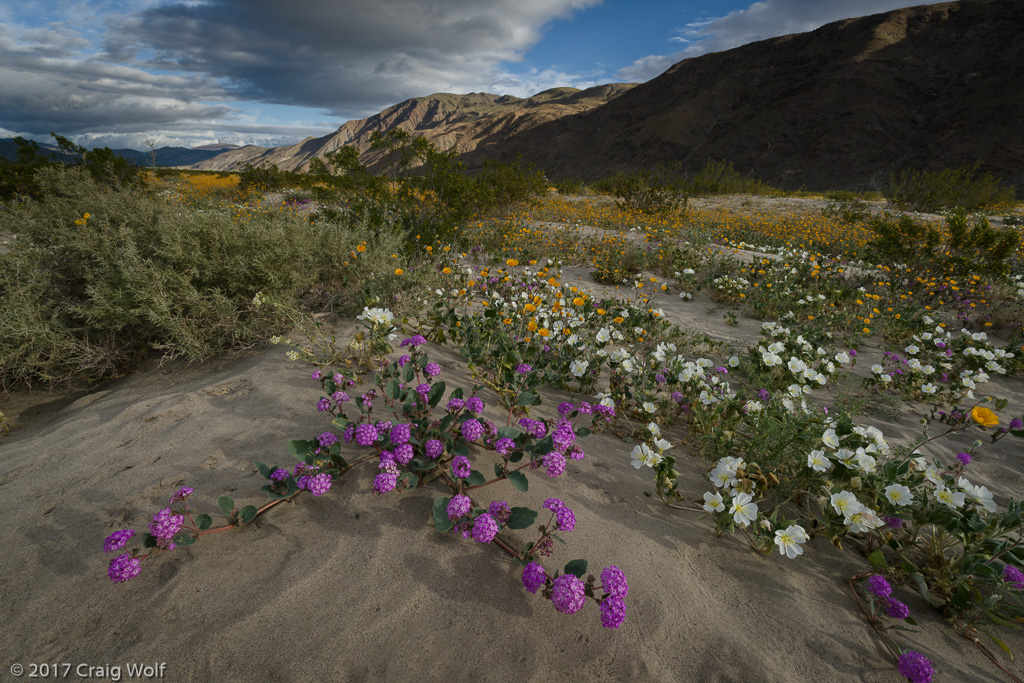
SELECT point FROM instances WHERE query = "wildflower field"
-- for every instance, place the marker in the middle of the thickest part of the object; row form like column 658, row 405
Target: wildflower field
column 822, row 399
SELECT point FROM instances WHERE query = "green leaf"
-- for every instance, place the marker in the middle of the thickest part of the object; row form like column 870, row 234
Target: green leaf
column 877, row 560
column 441, row 521
column 498, row 469
column 408, row 373
column 411, row 479
column 519, row 481
column 248, row 514
column 544, row 446
column 435, row 395
column 577, row 568
column 392, row 390
column 476, row 478
column 149, row 541
column 341, row 422
column 521, row 518
column 583, row 431
column 264, row 470
column 462, row 450
column 1000, row 644
column 226, row 504
column 525, row 399
column 184, row 538
column 508, row 432
column 204, row 522
column 418, row 465
column 299, row 449
column 922, row 588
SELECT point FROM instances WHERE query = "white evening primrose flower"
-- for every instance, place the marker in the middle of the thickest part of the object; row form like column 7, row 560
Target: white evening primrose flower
column 980, row 494
column 845, row 503
column 734, row 361
column 771, row 359
column 722, row 476
column 642, row 455
column 830, row 438
column 753, row 407
column 912, row 349
column 863, row 520
column 627, row 365
column 608, row 402
column 796, row 365
column 578, row 367
column 865, row 463
column 713, row 502
column 877, row 369
column 953, row 499
column 898, row 494
column 790, row 541
column 817, row 461
column 843, row 358
column 654, row 429
column 603, row 335
column 743, row 510
column 649, row 407
column 929, row 388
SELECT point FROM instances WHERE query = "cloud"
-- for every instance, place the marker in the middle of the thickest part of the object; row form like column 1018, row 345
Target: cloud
column 761, row 20
column 349, row 58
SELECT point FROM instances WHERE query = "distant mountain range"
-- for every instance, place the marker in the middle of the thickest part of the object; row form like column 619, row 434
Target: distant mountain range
column 165, row 156
column 844, row 106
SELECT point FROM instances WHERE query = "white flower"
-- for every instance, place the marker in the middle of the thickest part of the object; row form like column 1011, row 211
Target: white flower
column 929, row 388
column 817, row 461
column 796, row 365
column 643, row 455
column 950, row 498
column 743, row 510
column 980, row 494
column 722, row 476
column 578, row 367
column 734, row 361
column 865, row 463
column 649, row 407
column 627, row 365
column 830, row 438
column 863, row 520
column 608, row 402
column 654, row 429
column 912, row 349
column 662, row 445
column 898, row 494
column 770, row 359
column 713, row 502
column 753, row 406
column 877, row 369
column 790, row 540
column 843, row 358
column 603, row 335
column 845, row 503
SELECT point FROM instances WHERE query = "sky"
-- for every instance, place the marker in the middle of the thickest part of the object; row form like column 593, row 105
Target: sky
column 271, row 72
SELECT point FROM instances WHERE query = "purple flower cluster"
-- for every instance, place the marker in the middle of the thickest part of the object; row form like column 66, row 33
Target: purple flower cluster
column 472, row 430
column 879, row 586
column 535, row 428
column 317, row 375
column 613, row 582
column 1016, row 423
column 894, row 609
column 366, row 434
column 554, row 463
column 423, row 390
column 455, row 405
column 1014, row 577
column 565, row 520
column 117, row 540
column 323, row 404
column 504, row 446
column 568, row 593
column 553, row 504
column 165, row 524
column 327, row 439
column 278, row 475
column 401, row 433
column 893, row 522
column 413, row 341
column 485, row 528
column 523, row 368
column 564, row 436
column 433, row 449
column 403, row 453
column 461, row 467
column 565, row 408
column 319, row 484
column 964, row 458
column 459, row 506
column 432, row 369
column 475, row 405
column 613, row 611
column 500, row 510
column 607, row 412
column 534, row 577
column 183, row 493
column 915, row 667
column 124, row 567
column 403, row 361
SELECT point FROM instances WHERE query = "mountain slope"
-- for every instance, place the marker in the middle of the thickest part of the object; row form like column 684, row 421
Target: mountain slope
column 447, row 120
column 843, row 106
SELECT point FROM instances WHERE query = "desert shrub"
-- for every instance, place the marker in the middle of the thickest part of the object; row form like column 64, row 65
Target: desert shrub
column 968, row 244
column 570, row 186
column 649, row 191
column 848, row 211
column 99, row 277
column 721, row 177
column 952, row 188
column 262, row 178
column 504, row 184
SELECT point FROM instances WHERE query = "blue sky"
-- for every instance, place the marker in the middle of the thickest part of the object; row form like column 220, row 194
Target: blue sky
column 268, row 72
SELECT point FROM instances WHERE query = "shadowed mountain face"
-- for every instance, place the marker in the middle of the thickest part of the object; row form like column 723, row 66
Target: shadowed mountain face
column 844, row 106
column 462, row 121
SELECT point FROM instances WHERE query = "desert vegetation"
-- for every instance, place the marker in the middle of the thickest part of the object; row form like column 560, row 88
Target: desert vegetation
column 852, row 311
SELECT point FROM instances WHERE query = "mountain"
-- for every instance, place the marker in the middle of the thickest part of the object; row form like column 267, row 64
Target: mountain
column 843, row 106
column 165, row 156
column 462, row 121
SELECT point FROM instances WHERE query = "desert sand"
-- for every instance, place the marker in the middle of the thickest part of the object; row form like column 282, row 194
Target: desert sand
column 352, row 586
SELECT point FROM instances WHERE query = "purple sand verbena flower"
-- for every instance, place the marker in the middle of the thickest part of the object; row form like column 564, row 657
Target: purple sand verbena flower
column 124, row 567
column 433, row 449
column 568, row 594
column 385, row 481
column 534, row 576
column 1014, row 577
column 553, row 504
column 565, row 408
column 565, row 520
column 964, row 458
column 485, row 528
column 894, row 609
column 459, row 506
column 403, row 453
column 432, row 369
column 401, row 433
column 475, row 405
column 403, row 361
column 319, row 484
column 504, row 446
column 327, row 439
column 366, row 434
column 613, row 611
column 455, row 405
column 523, row 368
column 117, row 540
column 166, row 524
column 183, row 493
column 472, row 430
column 613, row 581
column 500, row 510
column 317, row 374
column 278, row 475
column 915, row 667
column 461, row 467
column 554, row 463
column 879, row 586
column 893, row 522
column 323, row 405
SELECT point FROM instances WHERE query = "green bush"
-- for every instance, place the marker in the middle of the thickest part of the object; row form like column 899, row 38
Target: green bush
column 953, row 188
column 720, row 177
column 650, row 191
column 92, row 297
